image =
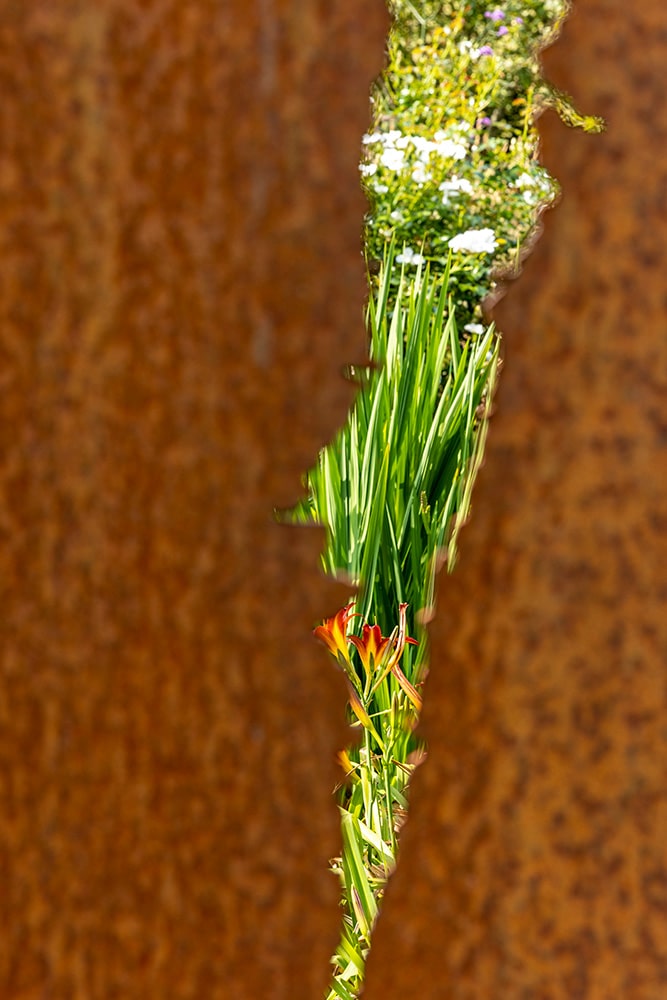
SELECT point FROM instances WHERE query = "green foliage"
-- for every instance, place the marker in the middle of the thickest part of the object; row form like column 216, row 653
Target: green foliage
column 453, row 150
column 373, row 801
column 449, row 154
column 393, row 487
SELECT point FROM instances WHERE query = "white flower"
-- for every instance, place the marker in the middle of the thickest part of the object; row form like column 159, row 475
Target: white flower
column 392, row 158
column 474, row 241
column 449, row 149
column 381, row 188
column 409, row 257
column 368, row 169
column 453, row 187
column 474, row 327
column 369, row 139
column 423, row 146
column 524, row 180
column 396, row 215
column 528, row 183
column 421, row 175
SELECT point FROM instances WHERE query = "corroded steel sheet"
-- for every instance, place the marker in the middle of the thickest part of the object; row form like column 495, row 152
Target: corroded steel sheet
column 534, row 862
column 180, row 284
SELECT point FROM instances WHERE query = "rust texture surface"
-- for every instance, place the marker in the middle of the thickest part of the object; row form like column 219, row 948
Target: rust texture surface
column 534, row 862
column 180, row 284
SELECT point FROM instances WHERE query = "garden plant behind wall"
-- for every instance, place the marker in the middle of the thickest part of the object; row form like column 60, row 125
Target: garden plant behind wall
column 454, row 185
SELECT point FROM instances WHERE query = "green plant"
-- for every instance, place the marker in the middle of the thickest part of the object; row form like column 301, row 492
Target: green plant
column 373, row 801
column 442, row 162
column 393, row 489
column 394, row 486
column 453, row 150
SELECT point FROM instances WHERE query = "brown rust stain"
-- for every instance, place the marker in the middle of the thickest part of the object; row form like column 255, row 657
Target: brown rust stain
column 534, row 862
column 181, row 283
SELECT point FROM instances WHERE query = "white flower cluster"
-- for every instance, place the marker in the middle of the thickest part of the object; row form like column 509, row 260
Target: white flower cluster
column 409, row 257
column 526, row 184
column 524, row 180
column 453, row 188
column 533, row 188
column 449, row 148
column 396, row 146
column 474, row 241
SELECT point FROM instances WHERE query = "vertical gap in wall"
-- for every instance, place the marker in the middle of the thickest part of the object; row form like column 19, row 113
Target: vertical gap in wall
column 454, row 186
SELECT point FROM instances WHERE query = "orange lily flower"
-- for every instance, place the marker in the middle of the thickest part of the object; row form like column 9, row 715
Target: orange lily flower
column 333, row 633
column 371, row 646
column 394, row 646
column 379, row 655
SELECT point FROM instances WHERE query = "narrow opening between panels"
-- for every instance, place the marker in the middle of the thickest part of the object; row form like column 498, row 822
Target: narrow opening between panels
column 455, row 187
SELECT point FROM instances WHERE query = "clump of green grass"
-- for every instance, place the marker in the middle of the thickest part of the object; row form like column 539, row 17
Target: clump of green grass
column 393, row 488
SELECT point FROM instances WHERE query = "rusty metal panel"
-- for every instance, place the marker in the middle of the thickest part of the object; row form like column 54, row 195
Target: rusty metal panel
column 179, row 287
column 181, row 282
column 534, row 862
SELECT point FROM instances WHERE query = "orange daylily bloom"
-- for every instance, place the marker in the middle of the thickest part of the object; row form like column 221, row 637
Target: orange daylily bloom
column 379, row 654
column 374, row 648
column 333, row 633
column 371, row 646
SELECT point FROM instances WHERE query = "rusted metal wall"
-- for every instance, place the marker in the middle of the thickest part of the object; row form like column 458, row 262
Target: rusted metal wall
column 181, row 282
column 180, row 285
column 534, row 863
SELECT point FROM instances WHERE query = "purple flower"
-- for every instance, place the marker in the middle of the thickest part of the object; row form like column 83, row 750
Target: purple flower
column 485, row 50
column 517, row 20
column 502, row 30
column 485, row 121
column 494, row 15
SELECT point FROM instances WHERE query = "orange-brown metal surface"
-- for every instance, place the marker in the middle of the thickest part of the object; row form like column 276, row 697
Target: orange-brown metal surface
column 181, row 282
column 534, row 862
